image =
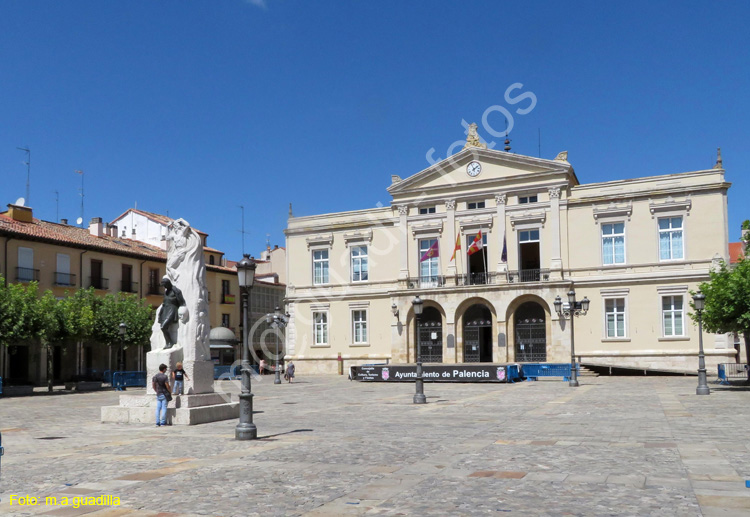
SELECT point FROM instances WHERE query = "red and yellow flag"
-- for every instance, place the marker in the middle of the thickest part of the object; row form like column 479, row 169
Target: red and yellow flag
column 457, row 248
column 476, row 245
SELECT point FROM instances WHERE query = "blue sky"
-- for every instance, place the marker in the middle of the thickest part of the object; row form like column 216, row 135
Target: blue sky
column 195, row 107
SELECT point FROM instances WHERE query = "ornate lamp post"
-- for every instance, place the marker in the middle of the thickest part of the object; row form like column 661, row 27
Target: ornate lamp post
column 419, row 397
column 573, row 309
column 278, row 321
column 120, row 358
column 246, row 429
column 699, row 301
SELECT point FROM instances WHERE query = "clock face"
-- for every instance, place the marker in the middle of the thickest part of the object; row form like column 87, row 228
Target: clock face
column 473, row 169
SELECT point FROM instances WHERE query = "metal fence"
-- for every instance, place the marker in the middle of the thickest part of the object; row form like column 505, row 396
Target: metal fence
column 533, row 371
column 728, row 371
column 122, row 380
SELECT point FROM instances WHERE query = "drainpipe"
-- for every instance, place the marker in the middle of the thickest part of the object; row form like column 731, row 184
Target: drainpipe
column 140, row 277
column 79, row 345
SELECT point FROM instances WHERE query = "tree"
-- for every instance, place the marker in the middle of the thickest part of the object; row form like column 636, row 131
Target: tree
column 727, row 307
column 112, row 310
column 18, row 314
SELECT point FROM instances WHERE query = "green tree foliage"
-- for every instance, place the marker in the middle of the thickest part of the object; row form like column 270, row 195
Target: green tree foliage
column 19, row 316
column 77, row 315
column 114, row 309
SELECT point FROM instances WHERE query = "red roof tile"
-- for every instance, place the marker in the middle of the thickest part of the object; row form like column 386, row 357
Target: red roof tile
column 735, row 252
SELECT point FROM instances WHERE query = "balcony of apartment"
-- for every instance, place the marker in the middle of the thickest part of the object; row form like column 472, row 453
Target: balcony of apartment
column 528, row 275
column 154, row 289
column 228, row 299
column 64, row 279
column 128, row 286
column 98, row 282
column 480, row 278
column 25, row 274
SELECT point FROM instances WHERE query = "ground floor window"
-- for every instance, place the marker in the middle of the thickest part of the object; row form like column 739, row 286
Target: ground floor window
column 320, row 328
column 614, row 314
column 673, row 316
column 359, row 327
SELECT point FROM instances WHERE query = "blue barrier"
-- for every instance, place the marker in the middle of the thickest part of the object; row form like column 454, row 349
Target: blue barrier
column 2, row 451
column 533, row 371
column 122, row 380
column 732, row 371
column 513, row 373
column 1, row 385
column 107, row 377
column 230, row 371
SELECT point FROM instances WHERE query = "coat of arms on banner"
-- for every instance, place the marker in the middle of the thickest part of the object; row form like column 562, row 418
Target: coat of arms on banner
column 501, row 373
column 385, row 374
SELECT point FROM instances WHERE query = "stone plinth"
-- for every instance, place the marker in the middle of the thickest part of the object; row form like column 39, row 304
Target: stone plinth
column 181, row 410
column 200, row 374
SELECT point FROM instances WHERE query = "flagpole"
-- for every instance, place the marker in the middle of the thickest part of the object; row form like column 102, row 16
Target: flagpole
column 484, row 258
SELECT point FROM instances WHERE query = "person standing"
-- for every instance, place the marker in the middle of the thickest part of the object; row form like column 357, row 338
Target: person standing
column 290, row 371
column 179, row 376
column 262, row 367
column 160, row 384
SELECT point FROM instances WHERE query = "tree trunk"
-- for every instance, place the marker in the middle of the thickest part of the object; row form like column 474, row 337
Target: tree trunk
column 747, row 354
column 50, row 368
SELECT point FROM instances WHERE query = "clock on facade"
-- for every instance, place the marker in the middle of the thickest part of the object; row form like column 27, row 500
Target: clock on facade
column 473, row 169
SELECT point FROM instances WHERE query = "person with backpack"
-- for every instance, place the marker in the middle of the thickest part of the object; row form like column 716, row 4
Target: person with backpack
column 160, row 384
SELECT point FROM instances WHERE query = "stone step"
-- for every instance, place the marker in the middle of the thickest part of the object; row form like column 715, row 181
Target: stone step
column 585, row 372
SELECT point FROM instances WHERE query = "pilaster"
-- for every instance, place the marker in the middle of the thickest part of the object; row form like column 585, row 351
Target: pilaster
column 403, row 273
column 502, row 241
column 450, row 271
column 555, row 258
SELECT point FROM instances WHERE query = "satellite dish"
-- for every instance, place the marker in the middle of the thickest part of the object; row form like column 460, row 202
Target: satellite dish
column 79, row 220
column 20, row 201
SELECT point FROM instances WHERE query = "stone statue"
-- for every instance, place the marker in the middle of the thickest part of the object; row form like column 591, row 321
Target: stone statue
column 170, row 310
column 472, row 138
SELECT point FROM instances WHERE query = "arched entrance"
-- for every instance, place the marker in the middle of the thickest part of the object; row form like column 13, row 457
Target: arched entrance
column 531, row 333
column 478, row 334
column 430, row 335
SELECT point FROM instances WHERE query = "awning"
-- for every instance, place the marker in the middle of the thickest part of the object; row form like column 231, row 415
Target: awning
column 221, row 345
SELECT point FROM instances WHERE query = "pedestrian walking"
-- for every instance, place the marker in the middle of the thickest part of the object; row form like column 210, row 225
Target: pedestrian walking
column 262, row 366
column 179, row 376
column 290, row 371
column 160, row 384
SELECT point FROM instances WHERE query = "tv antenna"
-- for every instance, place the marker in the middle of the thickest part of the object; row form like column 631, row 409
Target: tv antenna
column 57, row 206
column 78, row 171
column 242, row 231
column 28, row 169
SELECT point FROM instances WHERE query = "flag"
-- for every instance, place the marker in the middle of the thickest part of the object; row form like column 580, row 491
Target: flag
column 457, row 248
column 77, row 171
column 432, row 252
column 476, row 245
column 504, row 256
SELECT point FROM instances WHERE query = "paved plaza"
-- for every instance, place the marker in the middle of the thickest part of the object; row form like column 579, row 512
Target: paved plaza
column 329, row 446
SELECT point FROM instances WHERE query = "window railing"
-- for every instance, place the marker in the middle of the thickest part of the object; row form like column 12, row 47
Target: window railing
column 98, row 282
column 154, row 289
column 426, row 282
column 227, row 298
column 481, row 278
column 65, row 279
column 128, row 286
column 25, row 274
column 528, row 275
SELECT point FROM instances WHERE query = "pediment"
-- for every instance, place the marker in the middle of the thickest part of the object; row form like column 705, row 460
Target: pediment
column 497, row 168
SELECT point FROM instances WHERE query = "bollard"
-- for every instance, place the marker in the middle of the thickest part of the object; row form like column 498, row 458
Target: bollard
column 341, row 364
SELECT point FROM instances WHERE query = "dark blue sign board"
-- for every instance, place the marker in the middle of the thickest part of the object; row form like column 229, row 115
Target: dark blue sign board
column 436, row 373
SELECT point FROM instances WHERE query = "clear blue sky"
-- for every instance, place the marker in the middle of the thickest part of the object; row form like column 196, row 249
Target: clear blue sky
column 196, row 107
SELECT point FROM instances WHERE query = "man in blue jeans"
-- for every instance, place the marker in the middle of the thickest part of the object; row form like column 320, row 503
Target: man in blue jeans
column 160, row 383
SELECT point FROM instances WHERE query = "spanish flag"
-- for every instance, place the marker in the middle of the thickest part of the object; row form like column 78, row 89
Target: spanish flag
column 476, row 245
column 432, row 252
column 457, row 248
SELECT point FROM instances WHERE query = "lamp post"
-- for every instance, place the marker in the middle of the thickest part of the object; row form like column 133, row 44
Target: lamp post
column 573, row 309
column 699, row 301
column 419, row 397
column 120, row 359
column 278, row 321
column 246, row 429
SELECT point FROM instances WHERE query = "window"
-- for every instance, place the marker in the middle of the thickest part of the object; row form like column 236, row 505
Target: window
column 427, row 210
column 614, row 314
column 528, row 236
column 62, row 274
column 25, row 271
column 527, row 199
column 320, row 267
column 359, row 327
column 211, row 259
column 225, row 287
column 475, row 205
column 670, row 238
column 320, row 328
column 428, row 264
column 153, row 281
column 225, row 320
column 672, row 316
column 613, row 243
column 359, row 264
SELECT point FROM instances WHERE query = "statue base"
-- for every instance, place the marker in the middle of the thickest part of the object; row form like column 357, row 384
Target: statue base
column 182, row 409
column 200, row 374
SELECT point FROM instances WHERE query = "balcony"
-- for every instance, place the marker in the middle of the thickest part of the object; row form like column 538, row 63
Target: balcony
column 25, row 274
column 154, row 289
column 127, row 286
column 98, row 282
column 65, row 279
column 528, row 275
column 227, row 298
column 426, row 282
column 475, row 279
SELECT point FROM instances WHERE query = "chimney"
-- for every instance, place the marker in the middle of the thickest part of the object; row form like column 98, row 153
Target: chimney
column 20, row 213
column 275, row 246
column 63, row 221
column 96, row 228
column 114, row 230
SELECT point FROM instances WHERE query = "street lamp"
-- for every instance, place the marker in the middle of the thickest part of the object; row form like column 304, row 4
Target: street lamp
column 278, row 321
column 419, row 397
column 120, row 358
column 699, row 301
column 573, row 309
column 246, row 429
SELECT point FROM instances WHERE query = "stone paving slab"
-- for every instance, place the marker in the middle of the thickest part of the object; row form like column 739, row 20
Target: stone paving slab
column 328, row 446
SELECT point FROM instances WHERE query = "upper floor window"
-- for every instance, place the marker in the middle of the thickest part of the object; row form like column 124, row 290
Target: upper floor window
column 25, row 270
column 673, row 316
column 359, row 264
column 428, row 259
column 359, row 327
column 527, row 199
column 475, row 205
column 614, row 313
column 225, row 320
column 211, row 259
column 670, row 238
column 613, row 243
column 320, row 267
column 320, row 328
column 528, row 236
column 427, row 210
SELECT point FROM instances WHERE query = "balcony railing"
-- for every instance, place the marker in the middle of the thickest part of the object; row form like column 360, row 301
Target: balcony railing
column 65, row 279
column 426, row 282
column 227, row 298
column 98, row 282
column 475, row 279
column 154, row 289
column 25, row 274
column 128, row 286
column 528, row 275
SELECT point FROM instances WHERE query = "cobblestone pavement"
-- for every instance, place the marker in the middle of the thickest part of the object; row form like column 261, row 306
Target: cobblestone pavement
column 614, row 446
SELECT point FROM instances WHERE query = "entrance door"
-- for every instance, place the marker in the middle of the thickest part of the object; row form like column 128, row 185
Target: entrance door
column 478, row 334
column 531, row 333
column 430, row 336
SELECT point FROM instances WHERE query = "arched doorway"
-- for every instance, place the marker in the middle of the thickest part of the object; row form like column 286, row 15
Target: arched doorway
column 531, row 333
column 430, row 335
column 478, row 334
